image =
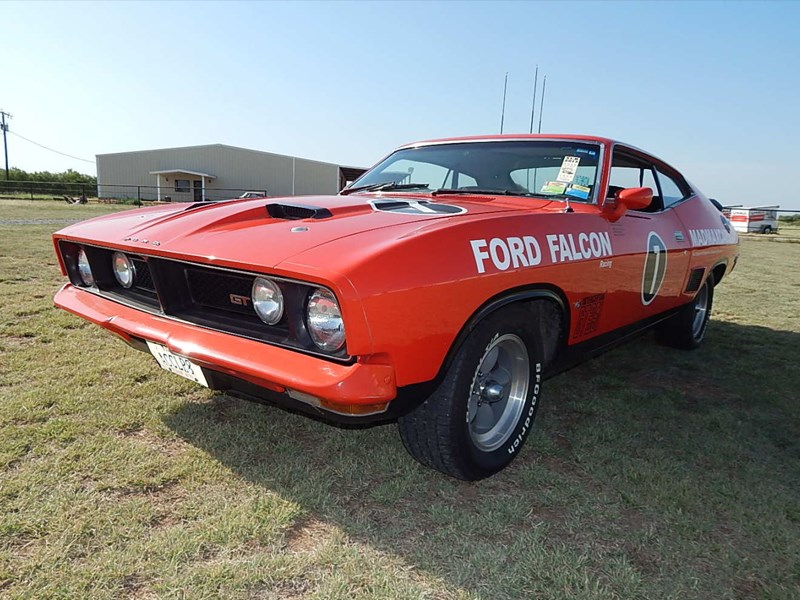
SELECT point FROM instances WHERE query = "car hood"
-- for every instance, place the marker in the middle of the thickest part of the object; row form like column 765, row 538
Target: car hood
column 266, row 232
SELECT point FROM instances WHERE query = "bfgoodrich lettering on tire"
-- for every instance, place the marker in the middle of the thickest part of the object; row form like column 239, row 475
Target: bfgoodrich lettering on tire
column 477, row 420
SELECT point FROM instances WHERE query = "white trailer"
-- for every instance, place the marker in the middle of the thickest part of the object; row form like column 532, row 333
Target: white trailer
column 754, row 219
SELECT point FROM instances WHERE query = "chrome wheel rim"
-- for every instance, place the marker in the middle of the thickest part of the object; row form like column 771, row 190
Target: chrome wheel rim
column 498, row 393
column 700, row 310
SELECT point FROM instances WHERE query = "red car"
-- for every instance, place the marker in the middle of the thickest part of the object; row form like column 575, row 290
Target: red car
column 439, row 290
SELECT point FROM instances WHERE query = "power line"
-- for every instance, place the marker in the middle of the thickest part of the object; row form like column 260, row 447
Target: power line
column 50, row 149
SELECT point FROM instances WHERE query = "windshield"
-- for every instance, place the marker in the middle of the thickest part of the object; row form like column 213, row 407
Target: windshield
column 552, row 169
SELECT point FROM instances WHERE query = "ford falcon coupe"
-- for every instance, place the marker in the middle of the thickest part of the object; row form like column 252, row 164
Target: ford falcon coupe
column 439, row 290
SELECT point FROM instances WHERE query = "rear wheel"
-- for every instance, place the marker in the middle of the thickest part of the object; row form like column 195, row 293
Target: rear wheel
column 477, row 420
column 687, row 328
column 767, row 229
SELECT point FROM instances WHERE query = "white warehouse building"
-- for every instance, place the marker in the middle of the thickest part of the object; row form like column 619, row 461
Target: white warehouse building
column 214, row 172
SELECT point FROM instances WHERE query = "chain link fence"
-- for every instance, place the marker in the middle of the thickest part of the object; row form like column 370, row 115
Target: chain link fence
column 128, row 194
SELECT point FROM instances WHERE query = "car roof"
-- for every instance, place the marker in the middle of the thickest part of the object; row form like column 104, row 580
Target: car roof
column 514, row 136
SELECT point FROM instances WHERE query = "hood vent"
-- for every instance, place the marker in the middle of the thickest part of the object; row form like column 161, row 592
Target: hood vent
column 295, row 212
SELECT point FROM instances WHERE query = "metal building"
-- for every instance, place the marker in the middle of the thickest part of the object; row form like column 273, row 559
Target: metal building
column 214, row 172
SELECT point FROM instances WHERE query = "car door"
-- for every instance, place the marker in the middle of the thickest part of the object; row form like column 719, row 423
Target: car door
column 651, row 246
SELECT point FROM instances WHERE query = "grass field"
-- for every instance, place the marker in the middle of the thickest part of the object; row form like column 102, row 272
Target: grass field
column 652, row 474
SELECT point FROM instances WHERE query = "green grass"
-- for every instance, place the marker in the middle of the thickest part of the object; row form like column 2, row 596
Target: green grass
column 653, row 473
column 50, row 210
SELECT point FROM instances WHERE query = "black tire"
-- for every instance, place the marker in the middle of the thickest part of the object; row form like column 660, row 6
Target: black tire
column 687, row 328
column 448, row 431
column 767, row 229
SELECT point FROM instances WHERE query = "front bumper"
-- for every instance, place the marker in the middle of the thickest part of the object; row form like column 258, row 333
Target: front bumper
column 347, row 389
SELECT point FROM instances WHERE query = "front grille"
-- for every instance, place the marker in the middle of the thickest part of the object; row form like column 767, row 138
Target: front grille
column 143, row 279
column 221, row 290
column 210, row 297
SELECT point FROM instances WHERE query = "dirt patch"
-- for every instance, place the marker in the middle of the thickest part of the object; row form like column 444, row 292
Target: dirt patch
column 307, row 535
column 747, row 588
column 13, row 343
column 135, row 589
column 282, row 590
column 170, row 447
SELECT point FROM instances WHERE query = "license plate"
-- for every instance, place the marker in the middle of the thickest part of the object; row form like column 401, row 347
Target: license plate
column 177, row 364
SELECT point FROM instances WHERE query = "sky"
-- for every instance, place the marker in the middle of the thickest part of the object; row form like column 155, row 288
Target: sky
column 711, row 88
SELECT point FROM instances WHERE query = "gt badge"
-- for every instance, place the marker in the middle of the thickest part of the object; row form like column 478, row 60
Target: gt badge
column 655, row 267
column 239, row 300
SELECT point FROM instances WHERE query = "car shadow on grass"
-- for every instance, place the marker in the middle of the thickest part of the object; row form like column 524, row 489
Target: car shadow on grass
column 644, row 478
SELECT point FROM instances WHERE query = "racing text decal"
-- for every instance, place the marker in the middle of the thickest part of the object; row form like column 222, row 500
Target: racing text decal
column 708, row 237
column 516, row 252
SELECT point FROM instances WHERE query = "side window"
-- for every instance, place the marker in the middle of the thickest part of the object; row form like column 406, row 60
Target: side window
column 181, row 185
column 631, row 177
column 631, row 171
column 670, row 189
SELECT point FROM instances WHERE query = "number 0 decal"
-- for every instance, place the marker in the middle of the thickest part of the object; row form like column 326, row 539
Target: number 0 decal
column 655, row 267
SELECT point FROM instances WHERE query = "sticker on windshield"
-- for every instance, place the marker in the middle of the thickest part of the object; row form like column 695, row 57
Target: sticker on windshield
column 582, row 180
column 553, row 187
column 568, row 169
column 578, row 191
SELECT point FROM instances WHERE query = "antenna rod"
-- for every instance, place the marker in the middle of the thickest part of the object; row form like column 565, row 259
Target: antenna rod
column 503, row 114
column 541, row 106
column 533, row 102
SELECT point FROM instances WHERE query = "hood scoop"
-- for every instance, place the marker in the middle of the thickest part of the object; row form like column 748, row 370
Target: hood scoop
column 295, row 212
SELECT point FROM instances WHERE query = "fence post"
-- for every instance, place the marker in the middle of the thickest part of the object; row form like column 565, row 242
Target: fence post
column 138, row 195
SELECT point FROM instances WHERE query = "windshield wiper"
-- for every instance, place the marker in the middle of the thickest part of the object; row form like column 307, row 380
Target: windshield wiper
column 481, row 191
column 488, row 192
column 380, row 187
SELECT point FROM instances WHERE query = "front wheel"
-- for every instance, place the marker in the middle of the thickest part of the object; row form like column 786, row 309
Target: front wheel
column 477, row 420
column 687, row 328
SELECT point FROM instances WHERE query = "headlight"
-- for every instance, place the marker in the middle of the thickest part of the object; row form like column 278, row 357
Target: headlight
column 267, row 300
column 84, row 269
column 124, row 270
column 324, row 319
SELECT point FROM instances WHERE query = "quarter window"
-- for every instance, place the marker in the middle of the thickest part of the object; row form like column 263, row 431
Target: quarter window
column 670, row 189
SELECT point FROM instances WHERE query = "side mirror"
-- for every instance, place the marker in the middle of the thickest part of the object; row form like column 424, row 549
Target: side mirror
column 635, row 198
column 626, row 199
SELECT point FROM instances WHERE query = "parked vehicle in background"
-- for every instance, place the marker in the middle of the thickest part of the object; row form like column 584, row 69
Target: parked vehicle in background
column 439, row 290
column 755, row 219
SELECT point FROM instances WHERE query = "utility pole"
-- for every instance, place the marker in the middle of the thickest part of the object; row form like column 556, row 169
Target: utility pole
column 4, row 127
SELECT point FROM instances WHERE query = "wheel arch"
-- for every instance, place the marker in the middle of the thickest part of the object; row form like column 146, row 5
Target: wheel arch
column 718, row 272
column 526, row 294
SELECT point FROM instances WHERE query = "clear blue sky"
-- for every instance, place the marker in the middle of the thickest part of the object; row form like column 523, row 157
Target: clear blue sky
column 712, row 88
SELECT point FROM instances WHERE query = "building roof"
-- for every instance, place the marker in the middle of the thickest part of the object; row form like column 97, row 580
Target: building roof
column 171, row 171
column 221, row 146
